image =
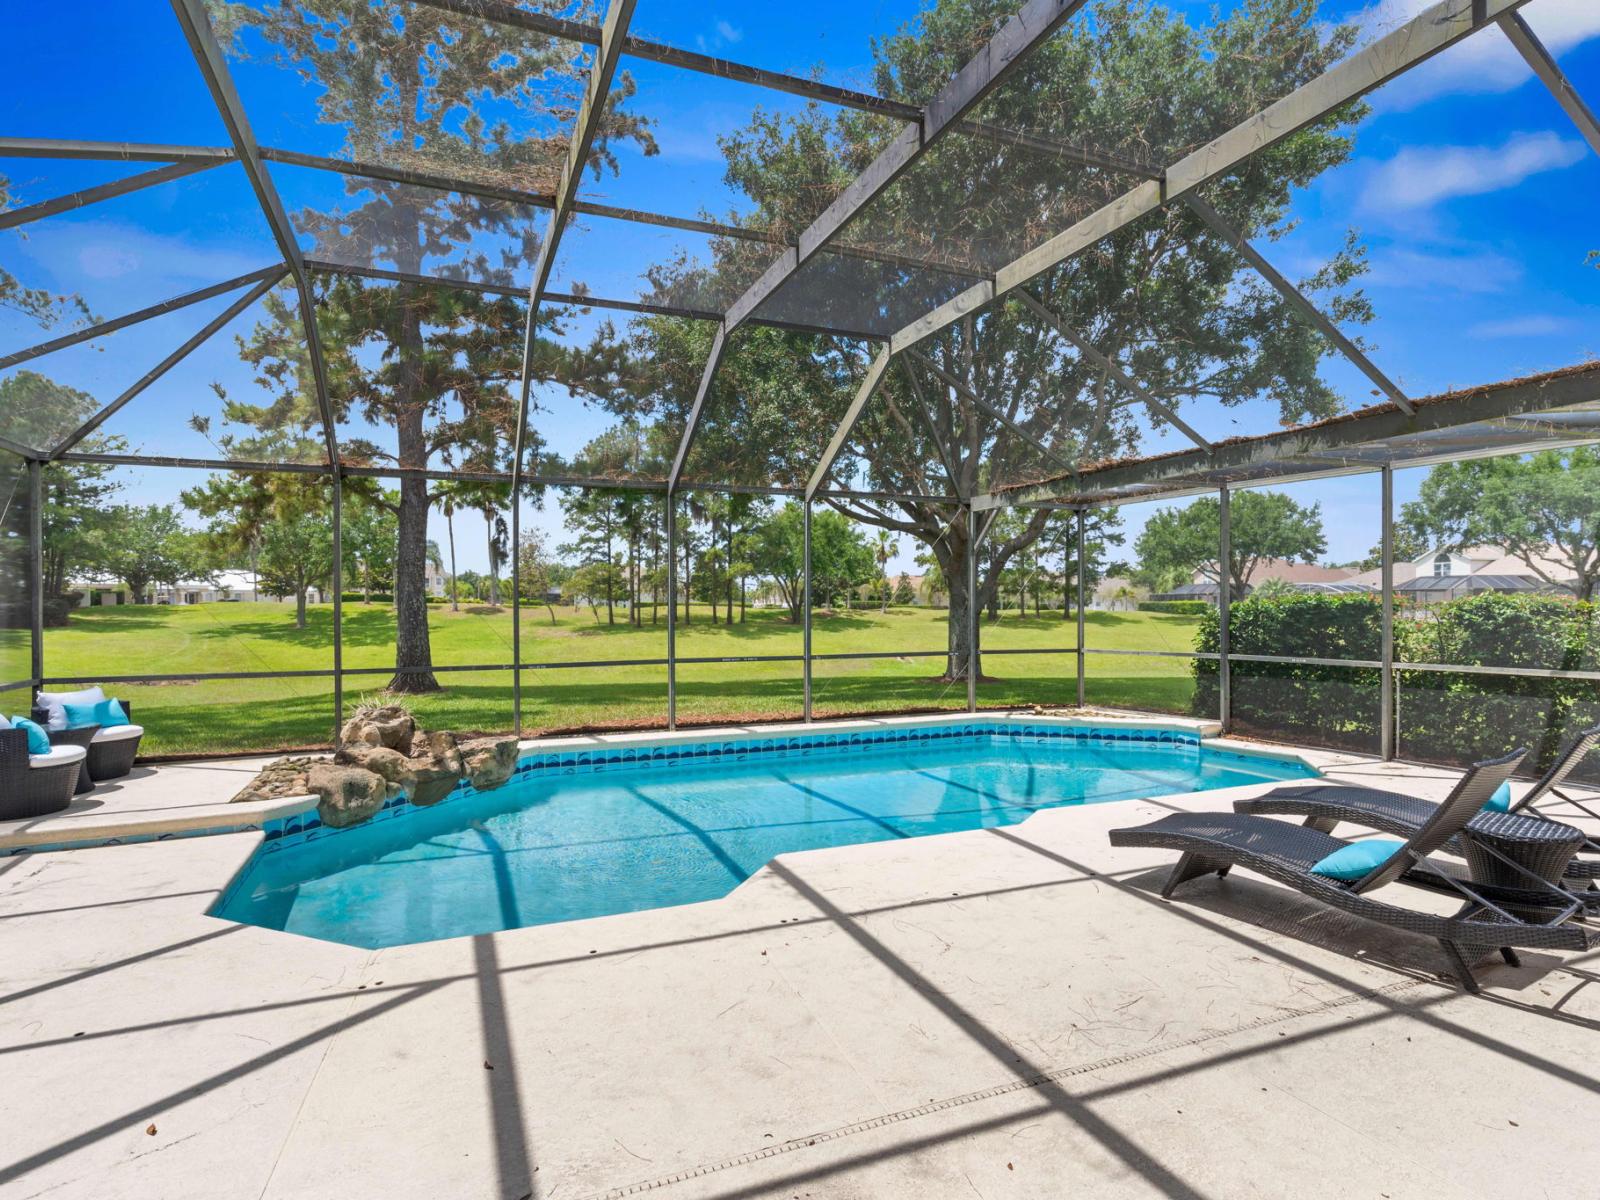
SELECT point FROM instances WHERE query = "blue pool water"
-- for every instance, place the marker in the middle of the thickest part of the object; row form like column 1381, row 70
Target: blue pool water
column 557, row 845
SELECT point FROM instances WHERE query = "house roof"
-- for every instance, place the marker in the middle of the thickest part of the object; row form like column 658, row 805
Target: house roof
column 1479, row 582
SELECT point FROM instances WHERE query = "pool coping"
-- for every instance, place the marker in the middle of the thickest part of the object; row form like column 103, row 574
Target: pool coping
column 89, row 829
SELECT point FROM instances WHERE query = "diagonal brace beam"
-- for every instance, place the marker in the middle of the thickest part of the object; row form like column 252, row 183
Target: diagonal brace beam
column 1000, row 56
column 208, row 56
column 166, row 364
column 1296, row 299
column 1157, row 407
column 841, row 435
column 143, row 314
column 1550, row 74
column 920, row 402
column 1430, row 32
column 691, row 426
column 105, row 191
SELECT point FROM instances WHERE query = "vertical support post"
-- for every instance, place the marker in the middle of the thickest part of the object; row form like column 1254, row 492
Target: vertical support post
column 972, row 609
column 1081, row 573
column 336, row 479
column 516, row 610
column 1386, row 707
column 1224, row 606
column 36, row 572
column 805, row 607
column 672, row 611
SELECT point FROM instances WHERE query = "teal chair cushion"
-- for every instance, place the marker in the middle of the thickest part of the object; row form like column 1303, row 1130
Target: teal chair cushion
column 38, row 739
column 1357, row 860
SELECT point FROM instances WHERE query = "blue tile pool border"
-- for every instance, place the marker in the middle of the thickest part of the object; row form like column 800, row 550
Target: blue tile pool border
column 280, row 832
column 608, row 760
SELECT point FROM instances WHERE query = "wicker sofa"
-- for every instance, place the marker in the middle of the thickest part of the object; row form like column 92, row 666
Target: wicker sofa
column 32, row 785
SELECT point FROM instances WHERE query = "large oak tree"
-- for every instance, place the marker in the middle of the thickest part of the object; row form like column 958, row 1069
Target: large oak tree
column 428, row 369
column 1170, row 303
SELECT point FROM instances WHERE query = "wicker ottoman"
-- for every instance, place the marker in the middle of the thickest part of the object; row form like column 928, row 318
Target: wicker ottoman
column 32, row 785
column 113, row 749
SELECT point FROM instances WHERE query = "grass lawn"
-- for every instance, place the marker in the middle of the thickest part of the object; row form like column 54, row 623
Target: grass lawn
column 214, row 715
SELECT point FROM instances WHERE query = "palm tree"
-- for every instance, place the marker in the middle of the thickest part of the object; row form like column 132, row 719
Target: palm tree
column 447, row 504
column 888, row 546
column 1125, row 596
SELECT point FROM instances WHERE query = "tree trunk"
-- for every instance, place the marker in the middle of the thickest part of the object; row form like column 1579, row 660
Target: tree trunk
column 413, row 651
column 687, row 579
column 611, row 566
column 951, row 554
column 450, row 525
column 300, row 604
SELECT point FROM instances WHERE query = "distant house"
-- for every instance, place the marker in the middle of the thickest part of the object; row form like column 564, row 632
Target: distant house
column 1301, row 577
column 1448, row 574
column 225, row 587
column 435, row 580
column 1116, row 592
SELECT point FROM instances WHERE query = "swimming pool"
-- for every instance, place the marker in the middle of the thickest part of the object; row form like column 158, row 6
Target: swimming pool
column 591, row 833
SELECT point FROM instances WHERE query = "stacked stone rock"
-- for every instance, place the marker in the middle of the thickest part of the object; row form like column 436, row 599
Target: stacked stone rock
column 382, row 754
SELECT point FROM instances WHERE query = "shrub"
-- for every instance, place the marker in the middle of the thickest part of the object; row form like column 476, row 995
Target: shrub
column 1458, row 718
column 1327, row 705
column 1442, row 716
column 1186, row 608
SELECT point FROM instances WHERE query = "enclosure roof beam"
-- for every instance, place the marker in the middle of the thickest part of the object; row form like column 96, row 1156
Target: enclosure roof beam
column 1432, row 31
column 542, row 479
column 1550, row 74
column 994, row 411
column 565, row 298
column 208, row 56
column 1296, row 299
column 836, row 444
column 17, row 448
column 104, row 328
column 403, row 175
column 1001, row 55
column 795, row 85
column 1157, row 407
column 14, row 147
column 172, row 360
column 105, row 191
column 591, row 112
column 1336, row 439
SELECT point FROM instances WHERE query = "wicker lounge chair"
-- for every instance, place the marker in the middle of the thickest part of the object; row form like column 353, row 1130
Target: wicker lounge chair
column 32, row 785
column 1324, row 805
column 1285, row 853
column 112, row 748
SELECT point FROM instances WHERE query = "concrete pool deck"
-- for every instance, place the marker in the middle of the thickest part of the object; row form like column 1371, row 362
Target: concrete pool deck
column 994, row 1013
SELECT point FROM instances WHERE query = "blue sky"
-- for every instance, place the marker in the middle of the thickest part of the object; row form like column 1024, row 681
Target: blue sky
column 1473, row 194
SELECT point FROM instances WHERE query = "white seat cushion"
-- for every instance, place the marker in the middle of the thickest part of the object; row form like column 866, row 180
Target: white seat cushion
column 54, row 703
column 118, row 733
column 59, row 756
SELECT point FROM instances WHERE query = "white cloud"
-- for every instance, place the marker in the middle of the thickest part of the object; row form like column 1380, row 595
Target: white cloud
column 723, row 33
column 73, row 251
column 1471, row 271
column 1421, row 176
column 1531, row 325
column 1486, row 62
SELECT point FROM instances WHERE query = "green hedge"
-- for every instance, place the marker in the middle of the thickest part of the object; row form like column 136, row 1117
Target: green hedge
column 1441, row 716
column 1186, row 608
column 1458, row 718
column 1320, row 705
